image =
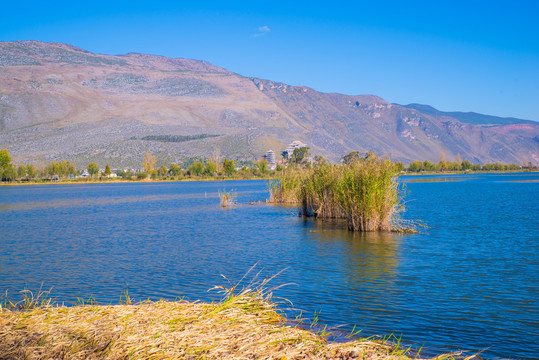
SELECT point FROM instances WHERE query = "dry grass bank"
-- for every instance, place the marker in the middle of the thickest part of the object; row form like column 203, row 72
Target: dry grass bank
column 243, row 326
column 167, row 330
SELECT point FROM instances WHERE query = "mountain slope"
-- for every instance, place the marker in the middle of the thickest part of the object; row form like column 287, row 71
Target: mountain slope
column 469, row 117
column 61, row 102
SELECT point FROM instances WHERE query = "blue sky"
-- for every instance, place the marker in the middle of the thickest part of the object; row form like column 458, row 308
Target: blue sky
column 456, row 55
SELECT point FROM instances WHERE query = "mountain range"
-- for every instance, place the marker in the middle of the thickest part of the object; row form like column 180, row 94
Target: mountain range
column 60, row 102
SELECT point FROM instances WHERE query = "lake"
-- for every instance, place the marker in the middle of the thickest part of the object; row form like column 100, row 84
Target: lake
column 470, row 281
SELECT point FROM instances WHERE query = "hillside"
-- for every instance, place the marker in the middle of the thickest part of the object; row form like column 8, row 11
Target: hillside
column 61, row 102
column 469, row 117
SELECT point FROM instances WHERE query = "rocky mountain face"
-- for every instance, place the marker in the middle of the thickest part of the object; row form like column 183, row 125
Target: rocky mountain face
column 60, row 102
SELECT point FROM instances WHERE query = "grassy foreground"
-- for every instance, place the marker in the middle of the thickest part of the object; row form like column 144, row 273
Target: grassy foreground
column 244, row 326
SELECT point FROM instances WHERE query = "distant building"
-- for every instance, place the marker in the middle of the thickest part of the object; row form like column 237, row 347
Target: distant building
column 270, row 158
column 293, row 146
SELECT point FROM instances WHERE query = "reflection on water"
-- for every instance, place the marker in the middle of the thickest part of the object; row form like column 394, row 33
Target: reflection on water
column 370, row 257
column 469, row 282
column 102, row 201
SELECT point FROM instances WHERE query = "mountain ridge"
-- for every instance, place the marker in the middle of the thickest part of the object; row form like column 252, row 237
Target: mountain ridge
column 60, row 102
column 469, row 116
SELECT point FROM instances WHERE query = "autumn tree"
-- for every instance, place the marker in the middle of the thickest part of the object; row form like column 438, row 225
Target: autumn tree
column 149, row 162
column 458, row 160
column 442, row 157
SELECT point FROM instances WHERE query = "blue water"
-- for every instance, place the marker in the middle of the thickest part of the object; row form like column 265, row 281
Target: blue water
column 468, row 282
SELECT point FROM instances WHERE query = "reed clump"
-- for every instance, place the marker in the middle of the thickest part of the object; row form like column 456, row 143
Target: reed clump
column 364, row 192
column 224, row 197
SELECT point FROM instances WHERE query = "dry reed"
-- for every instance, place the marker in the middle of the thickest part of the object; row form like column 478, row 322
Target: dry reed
column 244, row 325
column 224, row 198
column 239, row 329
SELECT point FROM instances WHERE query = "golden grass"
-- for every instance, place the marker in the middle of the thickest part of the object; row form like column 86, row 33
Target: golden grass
column 240, row 328
column 244, row 325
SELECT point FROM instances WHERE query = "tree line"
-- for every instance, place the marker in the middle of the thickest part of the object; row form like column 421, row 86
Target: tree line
column 192, row 168
column 210, row 168
column 462, row 165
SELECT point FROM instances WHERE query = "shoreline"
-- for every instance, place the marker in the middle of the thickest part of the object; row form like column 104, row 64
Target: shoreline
column 98, row 181
column 240, row 327
column 68, row 182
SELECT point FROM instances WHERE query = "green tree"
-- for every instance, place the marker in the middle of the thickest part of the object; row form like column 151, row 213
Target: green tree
column 127, row 174
column 210, row 168
column 92, row 169
column 62, row 168
column 428, row 166
column 162, row 171
column 262, row 165
column 228, row 167
column 8, row 173
column 415, row 166
column 351, row 157
column 107, row 171
column 196, row 168
column 319, row 160
column 31, row 171
column 5, row 159
column 466, row 165
column 21, row 171
column 300, row 154
column 175, row 169
column 399, row 166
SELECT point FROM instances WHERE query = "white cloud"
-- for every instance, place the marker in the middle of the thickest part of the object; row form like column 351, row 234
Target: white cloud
column 262, row 30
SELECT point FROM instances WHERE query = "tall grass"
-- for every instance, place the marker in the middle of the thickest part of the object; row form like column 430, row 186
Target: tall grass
column 224, row 197
column 365, row 192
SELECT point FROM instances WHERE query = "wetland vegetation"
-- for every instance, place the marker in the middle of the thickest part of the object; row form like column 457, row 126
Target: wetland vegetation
column 245, row 323
column 364, row 192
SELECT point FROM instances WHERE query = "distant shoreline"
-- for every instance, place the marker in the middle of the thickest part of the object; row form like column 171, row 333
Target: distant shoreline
column 118, row 181
column 75, row 182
